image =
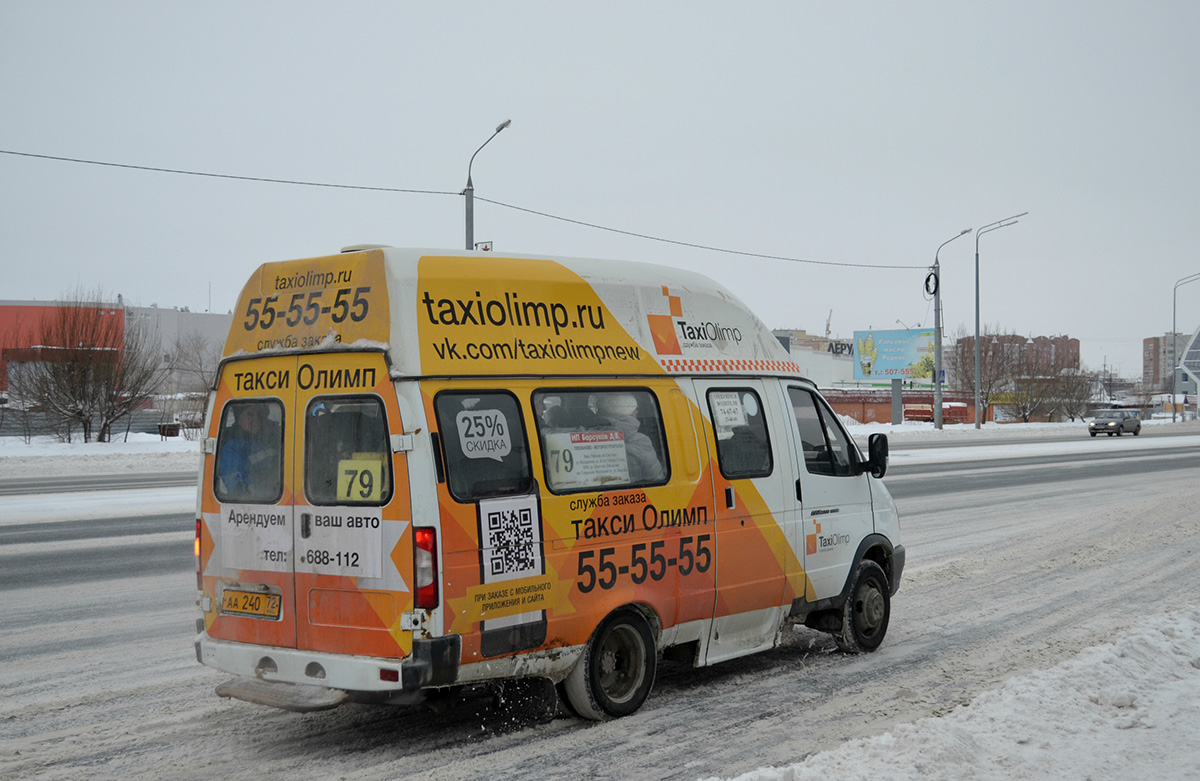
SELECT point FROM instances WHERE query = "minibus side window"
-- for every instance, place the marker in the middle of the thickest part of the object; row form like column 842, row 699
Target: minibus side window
column 595, row 440
column 347, row 458
column 249, row 466
column 827, row 450
column 483, row 439
column 743, row 447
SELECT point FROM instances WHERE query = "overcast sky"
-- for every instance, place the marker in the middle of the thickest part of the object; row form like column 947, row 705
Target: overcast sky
column 852, row 133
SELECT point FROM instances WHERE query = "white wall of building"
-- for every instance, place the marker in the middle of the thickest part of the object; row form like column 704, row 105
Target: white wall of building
column 823, row 368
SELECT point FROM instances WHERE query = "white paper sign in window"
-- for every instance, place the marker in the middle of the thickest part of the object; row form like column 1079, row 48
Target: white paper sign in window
column 586, row 459
column 483, row 434
column 727, row 410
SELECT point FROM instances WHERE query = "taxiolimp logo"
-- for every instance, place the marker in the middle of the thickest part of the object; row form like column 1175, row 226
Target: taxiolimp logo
column 672, row 332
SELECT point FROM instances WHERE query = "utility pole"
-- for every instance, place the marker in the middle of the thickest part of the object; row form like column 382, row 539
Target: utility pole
column 936, row 275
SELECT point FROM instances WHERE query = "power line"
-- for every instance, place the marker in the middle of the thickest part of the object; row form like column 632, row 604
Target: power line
column 688, row 243
column 547, row 215
column 228, row 176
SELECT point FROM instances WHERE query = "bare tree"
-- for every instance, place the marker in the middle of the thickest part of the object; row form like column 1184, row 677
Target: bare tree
column 1036, row 386
column 1143, row 396
column 1075, row 392
column 996, row 363
column 135, row 378
column 22, row 394
column 1028, row 397
column 194, row 362
column 88, row 371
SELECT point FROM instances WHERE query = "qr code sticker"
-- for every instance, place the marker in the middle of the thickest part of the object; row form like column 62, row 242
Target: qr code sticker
column 511, row 540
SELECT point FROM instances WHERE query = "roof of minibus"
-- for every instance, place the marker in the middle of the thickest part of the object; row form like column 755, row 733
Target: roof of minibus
column 439, row 312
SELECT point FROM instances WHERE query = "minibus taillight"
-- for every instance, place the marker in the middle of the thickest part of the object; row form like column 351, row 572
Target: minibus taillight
column 425, row 564
column 199, row 574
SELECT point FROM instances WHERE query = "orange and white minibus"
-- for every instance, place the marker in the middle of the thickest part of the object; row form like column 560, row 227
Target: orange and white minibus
column 427, row 469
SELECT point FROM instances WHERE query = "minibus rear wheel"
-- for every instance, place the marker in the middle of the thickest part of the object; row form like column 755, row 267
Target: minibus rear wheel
column 867, row 610
column 614, row 675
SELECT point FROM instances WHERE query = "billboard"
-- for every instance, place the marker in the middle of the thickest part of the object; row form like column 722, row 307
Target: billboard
column 896, row 354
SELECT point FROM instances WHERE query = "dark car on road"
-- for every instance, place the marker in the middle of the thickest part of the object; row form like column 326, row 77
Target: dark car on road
column 1115, row 421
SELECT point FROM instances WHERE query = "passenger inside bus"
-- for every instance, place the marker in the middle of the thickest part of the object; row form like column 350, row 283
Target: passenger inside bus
column 622, row 410
column 249, row 458
column 572, row 411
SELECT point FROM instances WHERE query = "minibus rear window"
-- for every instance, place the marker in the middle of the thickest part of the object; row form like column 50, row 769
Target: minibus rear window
column 601, row 439
column 483, row 439
column 250, row 452
column 347, row 460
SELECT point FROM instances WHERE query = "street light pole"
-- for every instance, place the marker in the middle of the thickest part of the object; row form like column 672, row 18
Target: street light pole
column 469, row 192
column 1174, row 372
column 997, row 225
column 937, row 330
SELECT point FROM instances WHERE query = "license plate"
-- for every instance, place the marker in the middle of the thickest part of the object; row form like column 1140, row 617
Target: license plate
column 250, row 603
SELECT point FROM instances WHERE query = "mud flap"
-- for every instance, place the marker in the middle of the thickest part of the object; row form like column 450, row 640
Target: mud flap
column 298, row 698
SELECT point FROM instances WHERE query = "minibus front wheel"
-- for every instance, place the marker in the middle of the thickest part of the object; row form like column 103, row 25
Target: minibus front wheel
column 614, row 675
column 867, row 610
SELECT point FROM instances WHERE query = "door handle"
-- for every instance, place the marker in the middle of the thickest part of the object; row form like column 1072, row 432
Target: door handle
column 306, row 525
column 799, row 493
column 729, row 497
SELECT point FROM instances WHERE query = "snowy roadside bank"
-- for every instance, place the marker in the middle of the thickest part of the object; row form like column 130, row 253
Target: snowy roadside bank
column 997, row 432
column 47, row 457
column 1130, row 708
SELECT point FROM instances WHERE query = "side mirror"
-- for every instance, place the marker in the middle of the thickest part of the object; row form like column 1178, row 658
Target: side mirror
column 877, row 455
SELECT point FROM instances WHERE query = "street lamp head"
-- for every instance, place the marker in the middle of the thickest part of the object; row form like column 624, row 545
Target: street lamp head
column 499, row 127
column 997, row 225
column 962, row 233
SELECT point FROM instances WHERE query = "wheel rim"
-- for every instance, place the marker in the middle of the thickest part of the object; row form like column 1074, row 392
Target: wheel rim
column 870, row 610
column 621, row 664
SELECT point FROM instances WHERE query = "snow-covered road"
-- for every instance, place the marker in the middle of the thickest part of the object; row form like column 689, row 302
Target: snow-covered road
column 1041, row 631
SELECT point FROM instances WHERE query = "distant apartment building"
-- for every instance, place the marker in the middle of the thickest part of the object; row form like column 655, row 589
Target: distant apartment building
column 1043, row 353
column 1059, row 352
column 1157, row 359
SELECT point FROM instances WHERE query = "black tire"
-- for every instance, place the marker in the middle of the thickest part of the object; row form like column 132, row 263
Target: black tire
column 1120, row 431
column 564, row 702
column 1137, row 431
column 614, row 675
column 867, row 610
column 1093, row 433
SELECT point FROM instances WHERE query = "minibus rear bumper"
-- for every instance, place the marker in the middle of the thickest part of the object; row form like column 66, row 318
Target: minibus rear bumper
column 432, row 663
